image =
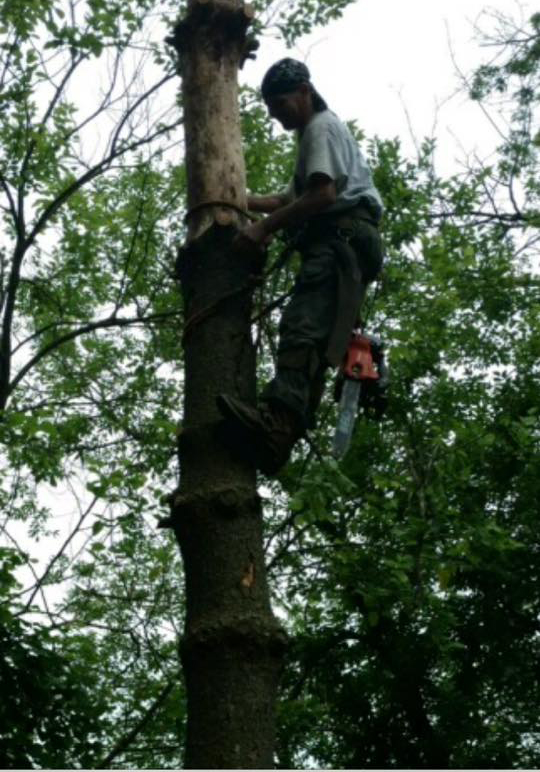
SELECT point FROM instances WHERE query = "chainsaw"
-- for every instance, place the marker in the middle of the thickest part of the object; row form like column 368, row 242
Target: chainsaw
column 361, row 384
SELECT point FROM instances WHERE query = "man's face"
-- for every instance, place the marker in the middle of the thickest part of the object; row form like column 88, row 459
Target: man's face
column 289, row 109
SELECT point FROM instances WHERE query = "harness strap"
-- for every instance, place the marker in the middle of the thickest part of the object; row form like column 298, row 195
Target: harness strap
column 351, row 291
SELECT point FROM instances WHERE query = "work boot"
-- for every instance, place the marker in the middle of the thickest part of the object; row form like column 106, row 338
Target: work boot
column 267, row 434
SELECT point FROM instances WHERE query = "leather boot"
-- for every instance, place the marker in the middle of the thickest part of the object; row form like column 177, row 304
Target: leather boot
column 267, row 434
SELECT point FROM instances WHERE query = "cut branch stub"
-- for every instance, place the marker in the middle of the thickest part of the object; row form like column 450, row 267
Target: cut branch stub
column 229, row 501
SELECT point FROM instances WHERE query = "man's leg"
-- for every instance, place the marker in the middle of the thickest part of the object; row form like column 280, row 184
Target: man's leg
column 289, row 402
column 304, row 331
column 315, row 395
column 270, row 432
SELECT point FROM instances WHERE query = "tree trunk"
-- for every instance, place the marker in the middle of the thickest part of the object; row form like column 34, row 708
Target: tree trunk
column 232, row 646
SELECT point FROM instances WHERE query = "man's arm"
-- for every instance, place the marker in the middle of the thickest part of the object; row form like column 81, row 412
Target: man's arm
column 266, row 204
column 320, row 194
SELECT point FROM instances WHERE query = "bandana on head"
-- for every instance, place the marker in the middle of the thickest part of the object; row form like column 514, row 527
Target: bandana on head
column 284, row 76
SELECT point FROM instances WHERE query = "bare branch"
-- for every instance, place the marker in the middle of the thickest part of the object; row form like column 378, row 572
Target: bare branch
column 131, row 249
column 10, row 49
column 59, row 90
column 32, row 569
column 466, row 85
column 39, row 584
column 129, row 112
column 126, row 741
column 11, row 201
column 105, row 102
column 9, row 306
column 91, row 174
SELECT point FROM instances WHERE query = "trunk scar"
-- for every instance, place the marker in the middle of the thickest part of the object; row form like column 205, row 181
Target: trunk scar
column 248, row 580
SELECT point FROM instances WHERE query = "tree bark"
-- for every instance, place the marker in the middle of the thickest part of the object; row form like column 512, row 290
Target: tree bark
column 233, row 646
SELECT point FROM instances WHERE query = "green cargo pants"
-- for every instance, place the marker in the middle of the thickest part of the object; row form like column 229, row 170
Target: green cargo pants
column 318, row 314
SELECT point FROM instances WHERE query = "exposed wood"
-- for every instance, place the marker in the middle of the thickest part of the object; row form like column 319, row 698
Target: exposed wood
column 211, row 43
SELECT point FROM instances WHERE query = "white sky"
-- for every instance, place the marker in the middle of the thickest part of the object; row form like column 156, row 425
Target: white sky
column 384, row 54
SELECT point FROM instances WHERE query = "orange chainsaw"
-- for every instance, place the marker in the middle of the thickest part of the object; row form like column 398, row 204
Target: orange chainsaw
column 361, row 384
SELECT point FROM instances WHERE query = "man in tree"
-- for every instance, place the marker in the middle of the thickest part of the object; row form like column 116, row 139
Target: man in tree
column 333, row 208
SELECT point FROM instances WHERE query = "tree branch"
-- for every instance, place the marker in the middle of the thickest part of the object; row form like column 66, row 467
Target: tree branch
column 9, row 306
column 126, row 741
column 133, row 107
column 47, row 610
column 95, row 171
column 59, row 554
column 102, row 324
column 47, row 114
column 11, row 201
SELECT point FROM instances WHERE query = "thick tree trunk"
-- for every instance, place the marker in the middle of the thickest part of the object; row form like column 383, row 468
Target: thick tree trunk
column 232, row 646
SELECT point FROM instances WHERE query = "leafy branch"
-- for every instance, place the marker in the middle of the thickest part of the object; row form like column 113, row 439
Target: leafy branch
column 102, row 324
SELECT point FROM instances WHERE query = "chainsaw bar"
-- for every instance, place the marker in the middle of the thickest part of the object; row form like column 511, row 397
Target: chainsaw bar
column 362, row 383
column 348, row 407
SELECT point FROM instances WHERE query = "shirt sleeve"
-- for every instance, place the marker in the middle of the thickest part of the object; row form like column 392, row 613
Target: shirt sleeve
column 325, row 154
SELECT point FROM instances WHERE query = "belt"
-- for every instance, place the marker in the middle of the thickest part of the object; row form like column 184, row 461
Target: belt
column 329, row 225
column 346, row 217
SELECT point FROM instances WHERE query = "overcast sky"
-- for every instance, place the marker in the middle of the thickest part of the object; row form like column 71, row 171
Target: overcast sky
column 383, row 55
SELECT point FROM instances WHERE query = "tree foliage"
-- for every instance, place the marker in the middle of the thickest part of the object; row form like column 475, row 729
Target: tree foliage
column 413, row 578
column 408, row 574
column 51, row 711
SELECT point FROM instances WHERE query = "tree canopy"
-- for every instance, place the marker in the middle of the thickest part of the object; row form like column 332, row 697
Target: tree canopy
column 407, row 575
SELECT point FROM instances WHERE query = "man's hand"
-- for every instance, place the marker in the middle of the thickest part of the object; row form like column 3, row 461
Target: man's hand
column 251, row 237
column 319, row 196
column 256, row 232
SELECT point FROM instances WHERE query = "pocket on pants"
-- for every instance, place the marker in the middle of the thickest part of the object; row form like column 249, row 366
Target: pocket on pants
column 318, row 268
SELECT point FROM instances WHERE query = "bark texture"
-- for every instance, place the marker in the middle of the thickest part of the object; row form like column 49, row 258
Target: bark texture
column 232, row 646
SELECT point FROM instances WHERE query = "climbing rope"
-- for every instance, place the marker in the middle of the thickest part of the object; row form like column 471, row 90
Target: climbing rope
column 218, row 202
column 198, row 317
column 253, row 281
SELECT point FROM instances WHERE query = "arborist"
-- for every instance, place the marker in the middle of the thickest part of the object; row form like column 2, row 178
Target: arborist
column 334, row 208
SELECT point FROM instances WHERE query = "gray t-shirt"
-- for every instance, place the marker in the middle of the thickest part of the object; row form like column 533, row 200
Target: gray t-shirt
column 328, row 147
